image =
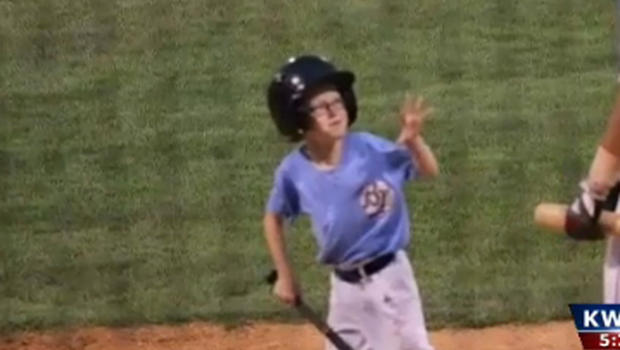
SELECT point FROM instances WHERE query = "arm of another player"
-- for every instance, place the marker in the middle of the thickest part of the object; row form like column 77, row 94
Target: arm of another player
column 413, row 114
column 286, row 287
column 611, row 138
column 606, row 163
column 583, row 215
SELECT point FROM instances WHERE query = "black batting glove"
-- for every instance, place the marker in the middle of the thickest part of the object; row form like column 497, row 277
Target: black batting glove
column 583, row 214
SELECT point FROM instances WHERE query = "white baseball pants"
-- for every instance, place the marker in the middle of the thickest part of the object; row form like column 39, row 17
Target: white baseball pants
column 382, row 312
column 611, row 269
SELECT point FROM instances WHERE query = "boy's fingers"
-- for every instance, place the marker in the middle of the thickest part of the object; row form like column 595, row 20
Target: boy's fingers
column 419, row 102
column 406, row 106
column 428, row 112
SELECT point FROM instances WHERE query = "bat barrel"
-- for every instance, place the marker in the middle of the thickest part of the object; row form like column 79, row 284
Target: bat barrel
column 551, row 216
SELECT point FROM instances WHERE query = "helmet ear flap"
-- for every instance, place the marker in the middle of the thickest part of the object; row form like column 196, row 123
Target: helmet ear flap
column 275, row 98
column 350, row 102
column 300, row 120
column 285, row 112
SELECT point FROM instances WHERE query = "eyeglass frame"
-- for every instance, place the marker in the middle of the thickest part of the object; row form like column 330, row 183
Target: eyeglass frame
column 322, row 110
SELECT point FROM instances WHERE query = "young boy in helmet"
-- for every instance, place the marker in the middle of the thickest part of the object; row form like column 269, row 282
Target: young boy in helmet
column 351, row 184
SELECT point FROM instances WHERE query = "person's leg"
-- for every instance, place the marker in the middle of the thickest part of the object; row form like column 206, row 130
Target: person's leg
column 357, row 317
column 402, row 305
column 611, row 271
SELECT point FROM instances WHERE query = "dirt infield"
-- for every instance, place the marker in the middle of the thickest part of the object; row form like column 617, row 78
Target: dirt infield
column 202, row 336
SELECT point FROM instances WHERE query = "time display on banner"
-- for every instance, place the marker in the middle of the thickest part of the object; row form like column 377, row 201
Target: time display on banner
column 598, row 325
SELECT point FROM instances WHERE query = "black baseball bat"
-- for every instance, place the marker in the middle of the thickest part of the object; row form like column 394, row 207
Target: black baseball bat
column 309, row 314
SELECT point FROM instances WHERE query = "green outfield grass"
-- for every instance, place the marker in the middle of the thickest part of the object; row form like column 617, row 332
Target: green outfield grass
column 136, row 152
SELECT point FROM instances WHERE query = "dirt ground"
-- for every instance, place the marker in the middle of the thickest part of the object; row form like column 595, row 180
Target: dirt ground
column 202, row 336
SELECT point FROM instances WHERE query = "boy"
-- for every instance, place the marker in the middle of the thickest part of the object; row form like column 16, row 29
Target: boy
column 351, row 186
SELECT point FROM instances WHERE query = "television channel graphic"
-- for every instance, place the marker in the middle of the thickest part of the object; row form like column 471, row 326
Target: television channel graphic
column 598, row 325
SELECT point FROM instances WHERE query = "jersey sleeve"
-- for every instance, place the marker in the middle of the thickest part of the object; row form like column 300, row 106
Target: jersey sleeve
column 398, row 157
column 283, row 198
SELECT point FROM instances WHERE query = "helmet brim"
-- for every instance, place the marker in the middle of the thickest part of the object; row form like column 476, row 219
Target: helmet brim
column 343, row 80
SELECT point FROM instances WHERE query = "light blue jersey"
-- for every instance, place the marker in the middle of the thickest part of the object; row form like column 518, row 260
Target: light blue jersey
column 358, row 210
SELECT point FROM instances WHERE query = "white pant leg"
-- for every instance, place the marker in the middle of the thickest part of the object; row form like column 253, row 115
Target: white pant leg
column 611, row 271
column 403, row 305
column 611, row 268
column 383, row 313
column 354, row 315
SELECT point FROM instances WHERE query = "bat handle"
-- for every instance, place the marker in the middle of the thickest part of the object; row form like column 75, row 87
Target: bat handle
column 322, row 326
column 337, row 341
column 272, row 277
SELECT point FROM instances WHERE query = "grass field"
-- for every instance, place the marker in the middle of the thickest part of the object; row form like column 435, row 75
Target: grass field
column 136, row 152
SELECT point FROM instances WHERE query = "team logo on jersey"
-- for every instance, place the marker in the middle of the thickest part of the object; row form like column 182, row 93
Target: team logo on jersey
column 377, row 198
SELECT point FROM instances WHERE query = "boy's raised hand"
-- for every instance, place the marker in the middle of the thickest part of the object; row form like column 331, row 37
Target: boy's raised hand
column 413, row 112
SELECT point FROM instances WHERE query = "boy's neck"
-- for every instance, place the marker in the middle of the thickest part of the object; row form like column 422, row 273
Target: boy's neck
column 325, row 154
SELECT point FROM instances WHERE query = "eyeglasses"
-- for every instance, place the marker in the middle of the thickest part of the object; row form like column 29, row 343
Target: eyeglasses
column 323, row 109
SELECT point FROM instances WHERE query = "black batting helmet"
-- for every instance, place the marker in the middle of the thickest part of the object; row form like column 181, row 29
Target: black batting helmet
column 291, row 84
